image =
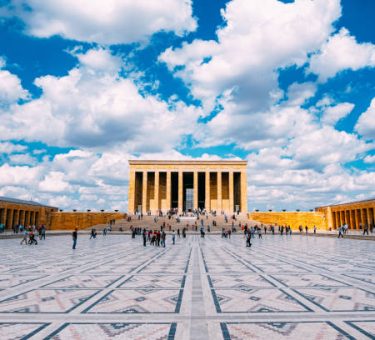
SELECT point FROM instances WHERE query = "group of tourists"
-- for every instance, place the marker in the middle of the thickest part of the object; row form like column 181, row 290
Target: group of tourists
column 30, row 232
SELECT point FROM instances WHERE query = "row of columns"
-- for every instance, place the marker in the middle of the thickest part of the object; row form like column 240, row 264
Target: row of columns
column 354, row 218
column 11, row 217
column 243, row 199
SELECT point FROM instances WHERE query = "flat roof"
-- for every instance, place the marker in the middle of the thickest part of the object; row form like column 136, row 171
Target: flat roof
column 18, row 201
column 208, row 162
column 346, row 203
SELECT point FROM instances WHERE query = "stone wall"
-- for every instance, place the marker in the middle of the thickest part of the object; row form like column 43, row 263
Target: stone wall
column 294, row 219
column 81, row 220
column 12, row 214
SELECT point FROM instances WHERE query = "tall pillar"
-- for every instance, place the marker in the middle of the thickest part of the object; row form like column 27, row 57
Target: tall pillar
column 169, row 189
column 3, row 217
column 219, row 192
column 351, row 220
column 144, row 192
column 341, row 220
column 330, row 223
column 131, row 193
column 369, row 219
column 16, row 218
column 231, row 192
column 180, row 190
column 156, row 191
column 243, row 191
column 208, row 193
column 195, row 204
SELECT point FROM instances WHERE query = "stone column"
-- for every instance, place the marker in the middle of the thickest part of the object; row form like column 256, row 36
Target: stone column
column 329, row 219
column 243, row 191
column 219, row 192
column 369, row 218
column 208, row 193
column 144, row 192
column 16, row 217
column 231, row 192
column 131, row 193
column 340, row 218
column 195, row 205
column 180, row 191
column 3, row 218
column 156, row 191
column 168, row 188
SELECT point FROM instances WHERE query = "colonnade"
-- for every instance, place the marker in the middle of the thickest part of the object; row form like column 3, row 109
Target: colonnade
column 354, row 218
column 166, row 189
column 11, row 217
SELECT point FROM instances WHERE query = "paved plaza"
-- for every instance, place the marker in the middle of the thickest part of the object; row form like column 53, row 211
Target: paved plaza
column 294, row 287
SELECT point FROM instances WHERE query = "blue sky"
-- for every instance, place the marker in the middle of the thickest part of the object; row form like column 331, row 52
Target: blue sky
column 287, row 85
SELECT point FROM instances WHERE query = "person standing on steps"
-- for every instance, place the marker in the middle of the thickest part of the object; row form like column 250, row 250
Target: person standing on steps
column 75, row 236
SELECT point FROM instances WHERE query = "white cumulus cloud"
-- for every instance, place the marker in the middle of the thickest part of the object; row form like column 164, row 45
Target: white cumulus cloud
column 341, row 52
column 366, row 122
column 105, row 21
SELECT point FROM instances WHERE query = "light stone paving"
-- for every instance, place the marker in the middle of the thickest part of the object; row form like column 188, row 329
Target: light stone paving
column 293, row 287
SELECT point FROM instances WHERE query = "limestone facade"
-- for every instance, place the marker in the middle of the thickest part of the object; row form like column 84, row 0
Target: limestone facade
column 355, row 214
column 82, row 220
column 187, row 185
column 292, row 218
column 18, row 212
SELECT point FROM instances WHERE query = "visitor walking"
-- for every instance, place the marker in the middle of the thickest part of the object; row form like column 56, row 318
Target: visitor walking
column 174, row 237
column 163, row 237
column 93, row 233
column 74, row 237
column 341, row 232
column 144, row 235
column 25, row 236
column 365, row 229
column 248, row 240
column 43, row 232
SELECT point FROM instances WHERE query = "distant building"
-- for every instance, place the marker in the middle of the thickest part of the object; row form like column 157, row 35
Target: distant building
column 19, row 212
column 354, row 214
column 187, row 185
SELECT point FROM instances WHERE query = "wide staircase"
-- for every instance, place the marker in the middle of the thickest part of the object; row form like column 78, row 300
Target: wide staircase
column 189, row 222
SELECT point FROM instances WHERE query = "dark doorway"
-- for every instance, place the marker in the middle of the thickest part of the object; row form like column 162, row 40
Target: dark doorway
column 237, row 191
column 201, row 190
column 188, row 191
column 138, row 186
column 174, row 190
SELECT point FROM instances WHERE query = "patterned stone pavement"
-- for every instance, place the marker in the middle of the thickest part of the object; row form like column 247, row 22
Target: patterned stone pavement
column 294, row 287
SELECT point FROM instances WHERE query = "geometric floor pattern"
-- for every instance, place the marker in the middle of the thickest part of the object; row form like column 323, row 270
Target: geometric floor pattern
column 293, row 287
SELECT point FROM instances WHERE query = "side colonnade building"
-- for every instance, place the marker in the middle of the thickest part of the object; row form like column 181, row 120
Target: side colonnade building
column 15, row 212
column 355, row 214
column 187, row 185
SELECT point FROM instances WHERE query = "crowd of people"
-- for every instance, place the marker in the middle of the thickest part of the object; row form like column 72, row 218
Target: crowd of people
column 30, row 234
